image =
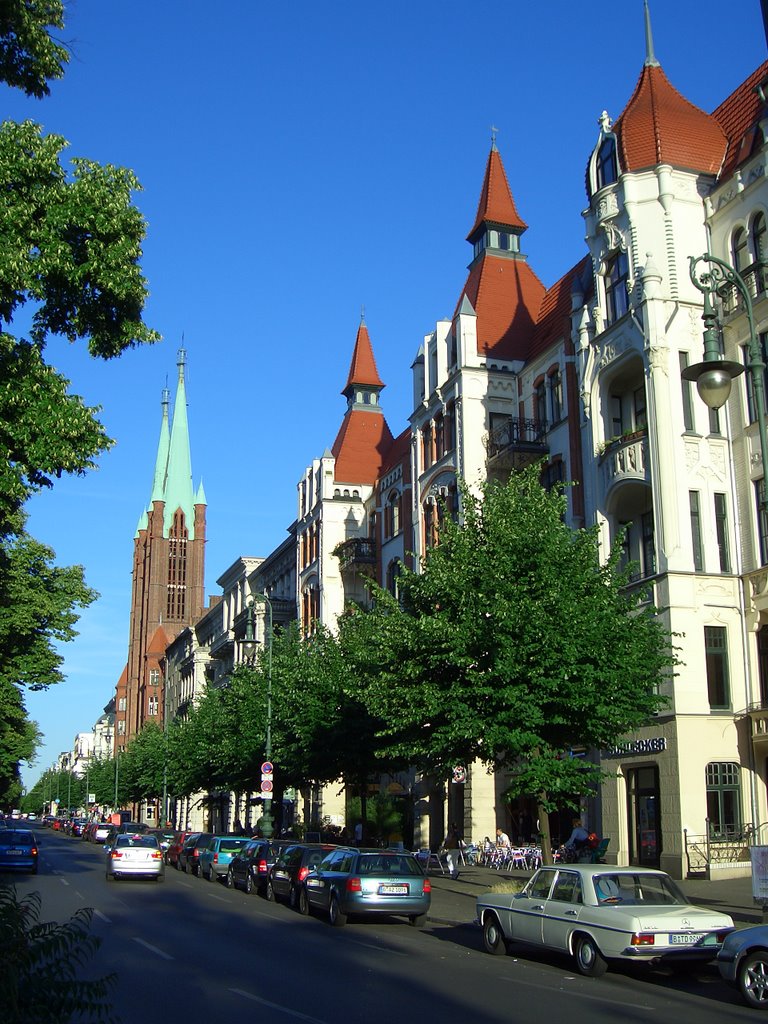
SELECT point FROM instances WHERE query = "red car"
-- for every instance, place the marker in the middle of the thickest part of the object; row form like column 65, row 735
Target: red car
column 173, row 851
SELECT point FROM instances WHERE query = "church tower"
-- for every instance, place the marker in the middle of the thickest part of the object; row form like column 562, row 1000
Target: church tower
column 168, row 570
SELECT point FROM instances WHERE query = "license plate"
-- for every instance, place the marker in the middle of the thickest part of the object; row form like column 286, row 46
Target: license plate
column 15, row 853
column 686, row 938
column 393, row 890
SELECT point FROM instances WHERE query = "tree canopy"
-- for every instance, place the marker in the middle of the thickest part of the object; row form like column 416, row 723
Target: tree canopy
column 69, row 268
column 513, row 645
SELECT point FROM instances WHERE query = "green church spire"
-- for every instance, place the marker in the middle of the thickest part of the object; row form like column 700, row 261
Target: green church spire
column 161, row 463
column 179, row 492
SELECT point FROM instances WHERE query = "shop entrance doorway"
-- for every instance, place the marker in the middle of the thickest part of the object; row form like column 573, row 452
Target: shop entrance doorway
column 643, row 814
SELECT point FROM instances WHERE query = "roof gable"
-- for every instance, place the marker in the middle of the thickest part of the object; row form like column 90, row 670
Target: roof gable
column 738, row 116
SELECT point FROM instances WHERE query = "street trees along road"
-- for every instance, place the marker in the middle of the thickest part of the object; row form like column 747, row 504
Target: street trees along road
column 512, row 645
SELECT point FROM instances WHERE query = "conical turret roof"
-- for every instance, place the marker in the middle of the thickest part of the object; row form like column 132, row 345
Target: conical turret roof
column 496, row 205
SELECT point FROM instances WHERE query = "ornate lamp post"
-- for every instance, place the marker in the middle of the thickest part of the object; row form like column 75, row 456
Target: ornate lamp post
column 250, row 645
column 716, row 278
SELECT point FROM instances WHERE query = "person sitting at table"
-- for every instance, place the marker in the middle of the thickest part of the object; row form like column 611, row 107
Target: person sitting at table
column 502, row 840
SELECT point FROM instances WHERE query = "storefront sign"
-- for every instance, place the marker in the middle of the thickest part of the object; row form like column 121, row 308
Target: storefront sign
column 759, row 858
column 633, row 747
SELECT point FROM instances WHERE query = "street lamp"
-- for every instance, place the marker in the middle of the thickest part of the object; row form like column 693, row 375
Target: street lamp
column 250, row 645
column 716, row 278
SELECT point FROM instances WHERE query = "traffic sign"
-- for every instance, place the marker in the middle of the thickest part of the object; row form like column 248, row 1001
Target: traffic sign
column 267, row 768
column 266, row 786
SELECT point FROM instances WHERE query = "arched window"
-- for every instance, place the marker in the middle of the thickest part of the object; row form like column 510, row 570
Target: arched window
column 740, row 250
column 723, row 798
column 606, row 168
column 393, row 576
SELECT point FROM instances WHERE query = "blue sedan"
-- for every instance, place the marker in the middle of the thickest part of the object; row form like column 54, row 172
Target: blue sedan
column 743, row 963
column 18, row 850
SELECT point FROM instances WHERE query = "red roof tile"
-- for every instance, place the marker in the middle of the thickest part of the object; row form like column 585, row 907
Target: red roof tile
column 738, row 116
column 361, row 446
column 554, row 320
column 506, row 295
column 362, row 369
column 660, row 126
column 496, row 203
column 399, row 452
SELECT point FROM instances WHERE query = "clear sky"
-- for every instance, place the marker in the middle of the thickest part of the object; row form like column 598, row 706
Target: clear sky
column 300, row 161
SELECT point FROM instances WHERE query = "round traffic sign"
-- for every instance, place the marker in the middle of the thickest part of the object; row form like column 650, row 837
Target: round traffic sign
column 267, row 768
column 266, row 786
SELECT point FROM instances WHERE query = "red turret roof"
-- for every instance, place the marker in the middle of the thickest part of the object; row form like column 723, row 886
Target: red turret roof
column 361, row 446
column 496, row 203
column 362, row 369
column 660, row 126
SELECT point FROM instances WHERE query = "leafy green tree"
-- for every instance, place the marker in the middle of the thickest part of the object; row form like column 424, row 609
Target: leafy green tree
column 142, row 764
column 41, row 966
column 69, row 262
column 512, row 646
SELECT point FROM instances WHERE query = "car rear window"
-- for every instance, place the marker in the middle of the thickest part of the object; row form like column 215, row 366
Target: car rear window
column 230, row 845
column 138, row 840
column 13, row 837
column 383, row 864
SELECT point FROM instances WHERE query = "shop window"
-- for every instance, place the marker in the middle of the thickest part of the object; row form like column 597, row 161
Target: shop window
column 723, row 799
column 718, row 684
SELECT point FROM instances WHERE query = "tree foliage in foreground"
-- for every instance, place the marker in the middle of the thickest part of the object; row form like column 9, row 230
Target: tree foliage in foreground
column 42, row 964
column 29, row 55
column 513, row 645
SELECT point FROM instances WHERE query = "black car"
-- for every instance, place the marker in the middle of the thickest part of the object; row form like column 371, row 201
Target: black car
column 249, row 869
column 189, row 855
column 291, row 867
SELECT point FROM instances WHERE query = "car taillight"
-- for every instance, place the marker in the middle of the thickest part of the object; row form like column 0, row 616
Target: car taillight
column 427, row 885
column 157, row 855
column 354, row 885
column 303, row 872
column 115, row 854
column 643, row 939
column 33, row 851
column 215, row 858
column 262, row 867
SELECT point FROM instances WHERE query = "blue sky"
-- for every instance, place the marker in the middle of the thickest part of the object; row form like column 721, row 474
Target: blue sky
column 300, row 161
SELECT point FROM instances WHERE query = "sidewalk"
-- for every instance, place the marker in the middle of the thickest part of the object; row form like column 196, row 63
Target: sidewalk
column 453, row 901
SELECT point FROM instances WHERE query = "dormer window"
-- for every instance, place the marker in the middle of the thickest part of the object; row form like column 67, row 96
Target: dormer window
column 606, row 169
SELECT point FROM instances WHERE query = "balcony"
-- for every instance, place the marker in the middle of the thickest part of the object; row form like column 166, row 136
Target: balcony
column 625, row 458
column 758, row 716
column 515, row 443
column 356, row 553
column 756, row 279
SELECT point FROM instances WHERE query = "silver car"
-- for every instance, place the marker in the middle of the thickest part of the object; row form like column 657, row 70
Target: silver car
column 135, row 855
column 743, row 962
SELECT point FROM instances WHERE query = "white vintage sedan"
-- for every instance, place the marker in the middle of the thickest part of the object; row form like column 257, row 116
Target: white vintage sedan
column 599, row 913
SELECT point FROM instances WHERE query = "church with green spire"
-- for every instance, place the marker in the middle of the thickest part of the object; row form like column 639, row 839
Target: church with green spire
column 168, row 569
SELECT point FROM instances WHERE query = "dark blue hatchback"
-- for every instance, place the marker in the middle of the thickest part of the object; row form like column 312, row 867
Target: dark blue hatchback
column 18, row 850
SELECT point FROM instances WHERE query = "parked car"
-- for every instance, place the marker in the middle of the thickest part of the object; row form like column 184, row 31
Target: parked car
column 743, row 963
column 189, row 855
column 77, row 825
column 174, row 849
column 132, row 827
column 293, row 864
column 598, row 913
column 18, row 850
column 250, row 867
column 100, row 831
column 165, row 836
column 215, row 857
column 135, row 855
column 353, row 881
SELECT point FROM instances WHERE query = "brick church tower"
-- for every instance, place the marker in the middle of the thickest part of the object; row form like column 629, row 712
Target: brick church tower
column 168, row 571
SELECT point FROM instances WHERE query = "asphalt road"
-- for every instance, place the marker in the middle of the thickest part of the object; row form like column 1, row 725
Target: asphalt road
column 190, row 950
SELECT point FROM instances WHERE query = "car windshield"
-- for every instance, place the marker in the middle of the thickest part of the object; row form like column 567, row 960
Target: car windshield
column 639, row 887
column 388, row 864
column 230, row 845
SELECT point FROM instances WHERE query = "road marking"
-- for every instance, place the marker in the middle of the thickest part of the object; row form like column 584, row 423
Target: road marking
column 187, row 885
column 64, row 881
column 152, row 949
column 277, row 1006
column 379, row 949
column 214, row 896
column 102, row 917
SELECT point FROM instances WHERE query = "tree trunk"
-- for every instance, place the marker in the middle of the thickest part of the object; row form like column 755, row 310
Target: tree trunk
column 546, row 839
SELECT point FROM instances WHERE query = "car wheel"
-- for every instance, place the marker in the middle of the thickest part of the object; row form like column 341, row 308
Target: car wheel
column 589, row 960
column 493, row 937
column 249, row 883
column 752, row 980
column 417, row 920
column 196, row 869
column 230, row 880
column 302, row 904
column 335, row 916
column 269, row 891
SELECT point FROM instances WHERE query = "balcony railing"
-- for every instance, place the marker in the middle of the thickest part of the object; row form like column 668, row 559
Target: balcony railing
column 356, row 553
column 515, row 442
column 625, row 458
column 756, row 279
